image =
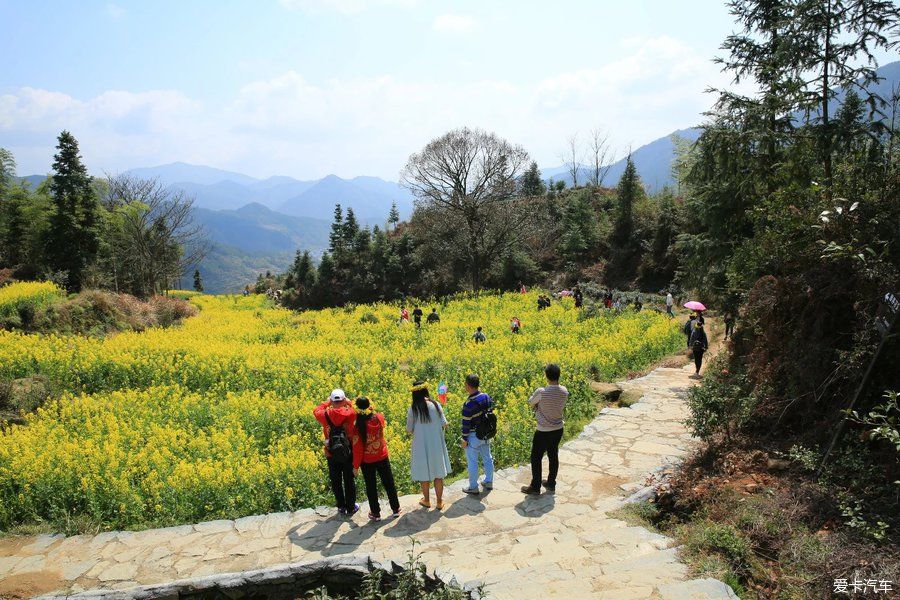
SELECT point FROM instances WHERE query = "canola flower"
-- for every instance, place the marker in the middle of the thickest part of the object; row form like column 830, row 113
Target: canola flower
column 213, row 418
column 33, row 294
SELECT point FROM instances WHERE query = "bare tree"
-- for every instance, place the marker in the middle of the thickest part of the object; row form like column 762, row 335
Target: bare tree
column 156, row 238
column 602, row 155
column 469, row 176
column 572, row 158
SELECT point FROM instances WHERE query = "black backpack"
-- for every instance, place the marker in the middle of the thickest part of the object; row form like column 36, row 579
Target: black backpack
column 338, row 443
column 487, row 426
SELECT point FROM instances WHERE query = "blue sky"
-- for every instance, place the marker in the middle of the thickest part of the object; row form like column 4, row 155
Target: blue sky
column 311, row 87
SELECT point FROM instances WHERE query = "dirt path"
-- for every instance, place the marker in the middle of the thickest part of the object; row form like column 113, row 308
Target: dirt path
column 562, row 545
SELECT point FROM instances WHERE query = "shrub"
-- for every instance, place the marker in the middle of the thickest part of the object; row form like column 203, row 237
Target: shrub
column 720, row 405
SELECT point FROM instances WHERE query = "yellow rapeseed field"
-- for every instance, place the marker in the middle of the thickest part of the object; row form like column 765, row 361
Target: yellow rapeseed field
column 213, row 418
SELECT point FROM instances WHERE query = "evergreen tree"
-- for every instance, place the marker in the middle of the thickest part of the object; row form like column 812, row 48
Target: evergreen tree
column 325, row 293
column 7, row 170
column 336, row 237
column 393, row 216
column 15, row 227
column 580, row 235
column 198, row 282
column 624, row 248
column 350, row 228
column 73, row 240
column 532, row 185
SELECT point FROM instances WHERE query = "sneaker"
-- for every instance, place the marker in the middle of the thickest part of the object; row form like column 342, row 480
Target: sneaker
column 342, row 511
column 374, row 517
column 549, row 488
column 396, row 513
column 355, row 510
column 472, row 491
column 527, row 489
column 488, row 485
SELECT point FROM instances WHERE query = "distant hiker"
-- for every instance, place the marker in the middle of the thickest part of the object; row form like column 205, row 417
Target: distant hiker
column 370, row 452
column 475, row 423
column 515, row 325
column 429, row 460
column 617, row 305
column 698, row 344
column 729, row 324
column 670, row 302
column 417, row 316
column 404, row 315
column 246, row 291
column 638, row 304
column 689, row 328
column 608, row 300
column 548, row 403
column 479, row 336
column 540, row 303
column 522, row 288
column 579, row 297
column 338, row 425
column 433, row 317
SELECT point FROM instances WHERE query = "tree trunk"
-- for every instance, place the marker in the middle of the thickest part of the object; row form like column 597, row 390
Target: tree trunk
column 826, row 124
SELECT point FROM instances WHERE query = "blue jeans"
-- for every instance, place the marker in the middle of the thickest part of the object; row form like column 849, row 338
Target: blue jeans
column 479, row 448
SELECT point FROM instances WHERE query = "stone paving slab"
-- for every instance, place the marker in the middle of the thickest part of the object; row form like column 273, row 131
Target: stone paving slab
column 521, row 547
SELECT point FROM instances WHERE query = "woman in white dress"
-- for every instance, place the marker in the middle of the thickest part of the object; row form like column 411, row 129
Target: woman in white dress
column 426, row 422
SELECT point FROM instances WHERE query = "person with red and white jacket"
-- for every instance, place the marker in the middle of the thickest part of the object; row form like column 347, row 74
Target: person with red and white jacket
column 370, row 452
column 338, row 421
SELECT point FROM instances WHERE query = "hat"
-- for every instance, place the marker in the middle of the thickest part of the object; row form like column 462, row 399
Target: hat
column 337, row 395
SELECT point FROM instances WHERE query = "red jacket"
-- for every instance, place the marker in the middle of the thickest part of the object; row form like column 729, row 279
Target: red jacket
column 342, row 415
column 375, row 449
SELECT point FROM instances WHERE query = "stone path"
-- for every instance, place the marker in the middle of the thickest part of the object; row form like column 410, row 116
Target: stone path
column 562, row 545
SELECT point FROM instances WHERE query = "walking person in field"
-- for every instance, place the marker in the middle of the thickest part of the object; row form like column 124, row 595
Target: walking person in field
column 370, row 452
column 548, row 403
column 338, row 421
column 479, row 336
column 429, row 460
column 473, row 413
column 699, row 344
column 670, row 301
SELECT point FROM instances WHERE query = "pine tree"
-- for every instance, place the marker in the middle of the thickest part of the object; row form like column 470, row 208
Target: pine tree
column 15, row 227
column 624, row 248
column 336, row 237
column 532, row 185
column 393, row 216
column 325, row 293
column 580, row 235
column 350, row 228
column 198, row 282
column 73, row 238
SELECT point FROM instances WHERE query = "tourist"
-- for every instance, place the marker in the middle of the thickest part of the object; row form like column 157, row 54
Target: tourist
column 617, row 305
column 689, row 328
column 607, row 300
column 426, row 422
column 417, row 316
column 338, row 425
column 548, row 404
column 699, row 344
column 515, row 325
column 729, row 324
column 579, row 297
column 479, row 336
column 670, row 301
column 370, row 452
column 473, row 411
column 404, row 315
column 540, row 303
column 433, row 317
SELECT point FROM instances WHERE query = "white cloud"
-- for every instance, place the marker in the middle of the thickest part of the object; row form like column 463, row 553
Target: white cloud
column 291, row 125
column 343, row 6
column 114, row 11
column 450, row 23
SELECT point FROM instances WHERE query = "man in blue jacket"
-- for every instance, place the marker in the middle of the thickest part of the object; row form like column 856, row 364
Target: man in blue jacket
column 472, row 412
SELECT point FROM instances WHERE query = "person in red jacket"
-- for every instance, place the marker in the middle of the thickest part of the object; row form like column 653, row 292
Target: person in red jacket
column 370, row 452
column 338, row 421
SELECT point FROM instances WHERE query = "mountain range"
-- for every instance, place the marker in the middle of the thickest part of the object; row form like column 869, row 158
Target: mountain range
column 255, row 225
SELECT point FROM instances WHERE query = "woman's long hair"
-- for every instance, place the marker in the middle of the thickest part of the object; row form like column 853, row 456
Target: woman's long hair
column 362, row 419
column 420, row 400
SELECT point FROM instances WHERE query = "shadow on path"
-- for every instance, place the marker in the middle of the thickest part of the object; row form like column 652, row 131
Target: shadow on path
column 536, row 506
column 317, row 537
column 413, row 522
column 467, row 506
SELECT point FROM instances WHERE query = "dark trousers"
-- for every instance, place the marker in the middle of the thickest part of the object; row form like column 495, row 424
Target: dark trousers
column 342, row 484
column 698, row 358
column 729, row 329
column 382, row 469
column 545, row 442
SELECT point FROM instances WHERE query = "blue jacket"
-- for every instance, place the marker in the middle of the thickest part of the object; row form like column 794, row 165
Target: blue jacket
column 473, row 410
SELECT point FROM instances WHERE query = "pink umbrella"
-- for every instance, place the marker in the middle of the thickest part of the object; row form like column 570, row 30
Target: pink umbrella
column 694, row 305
